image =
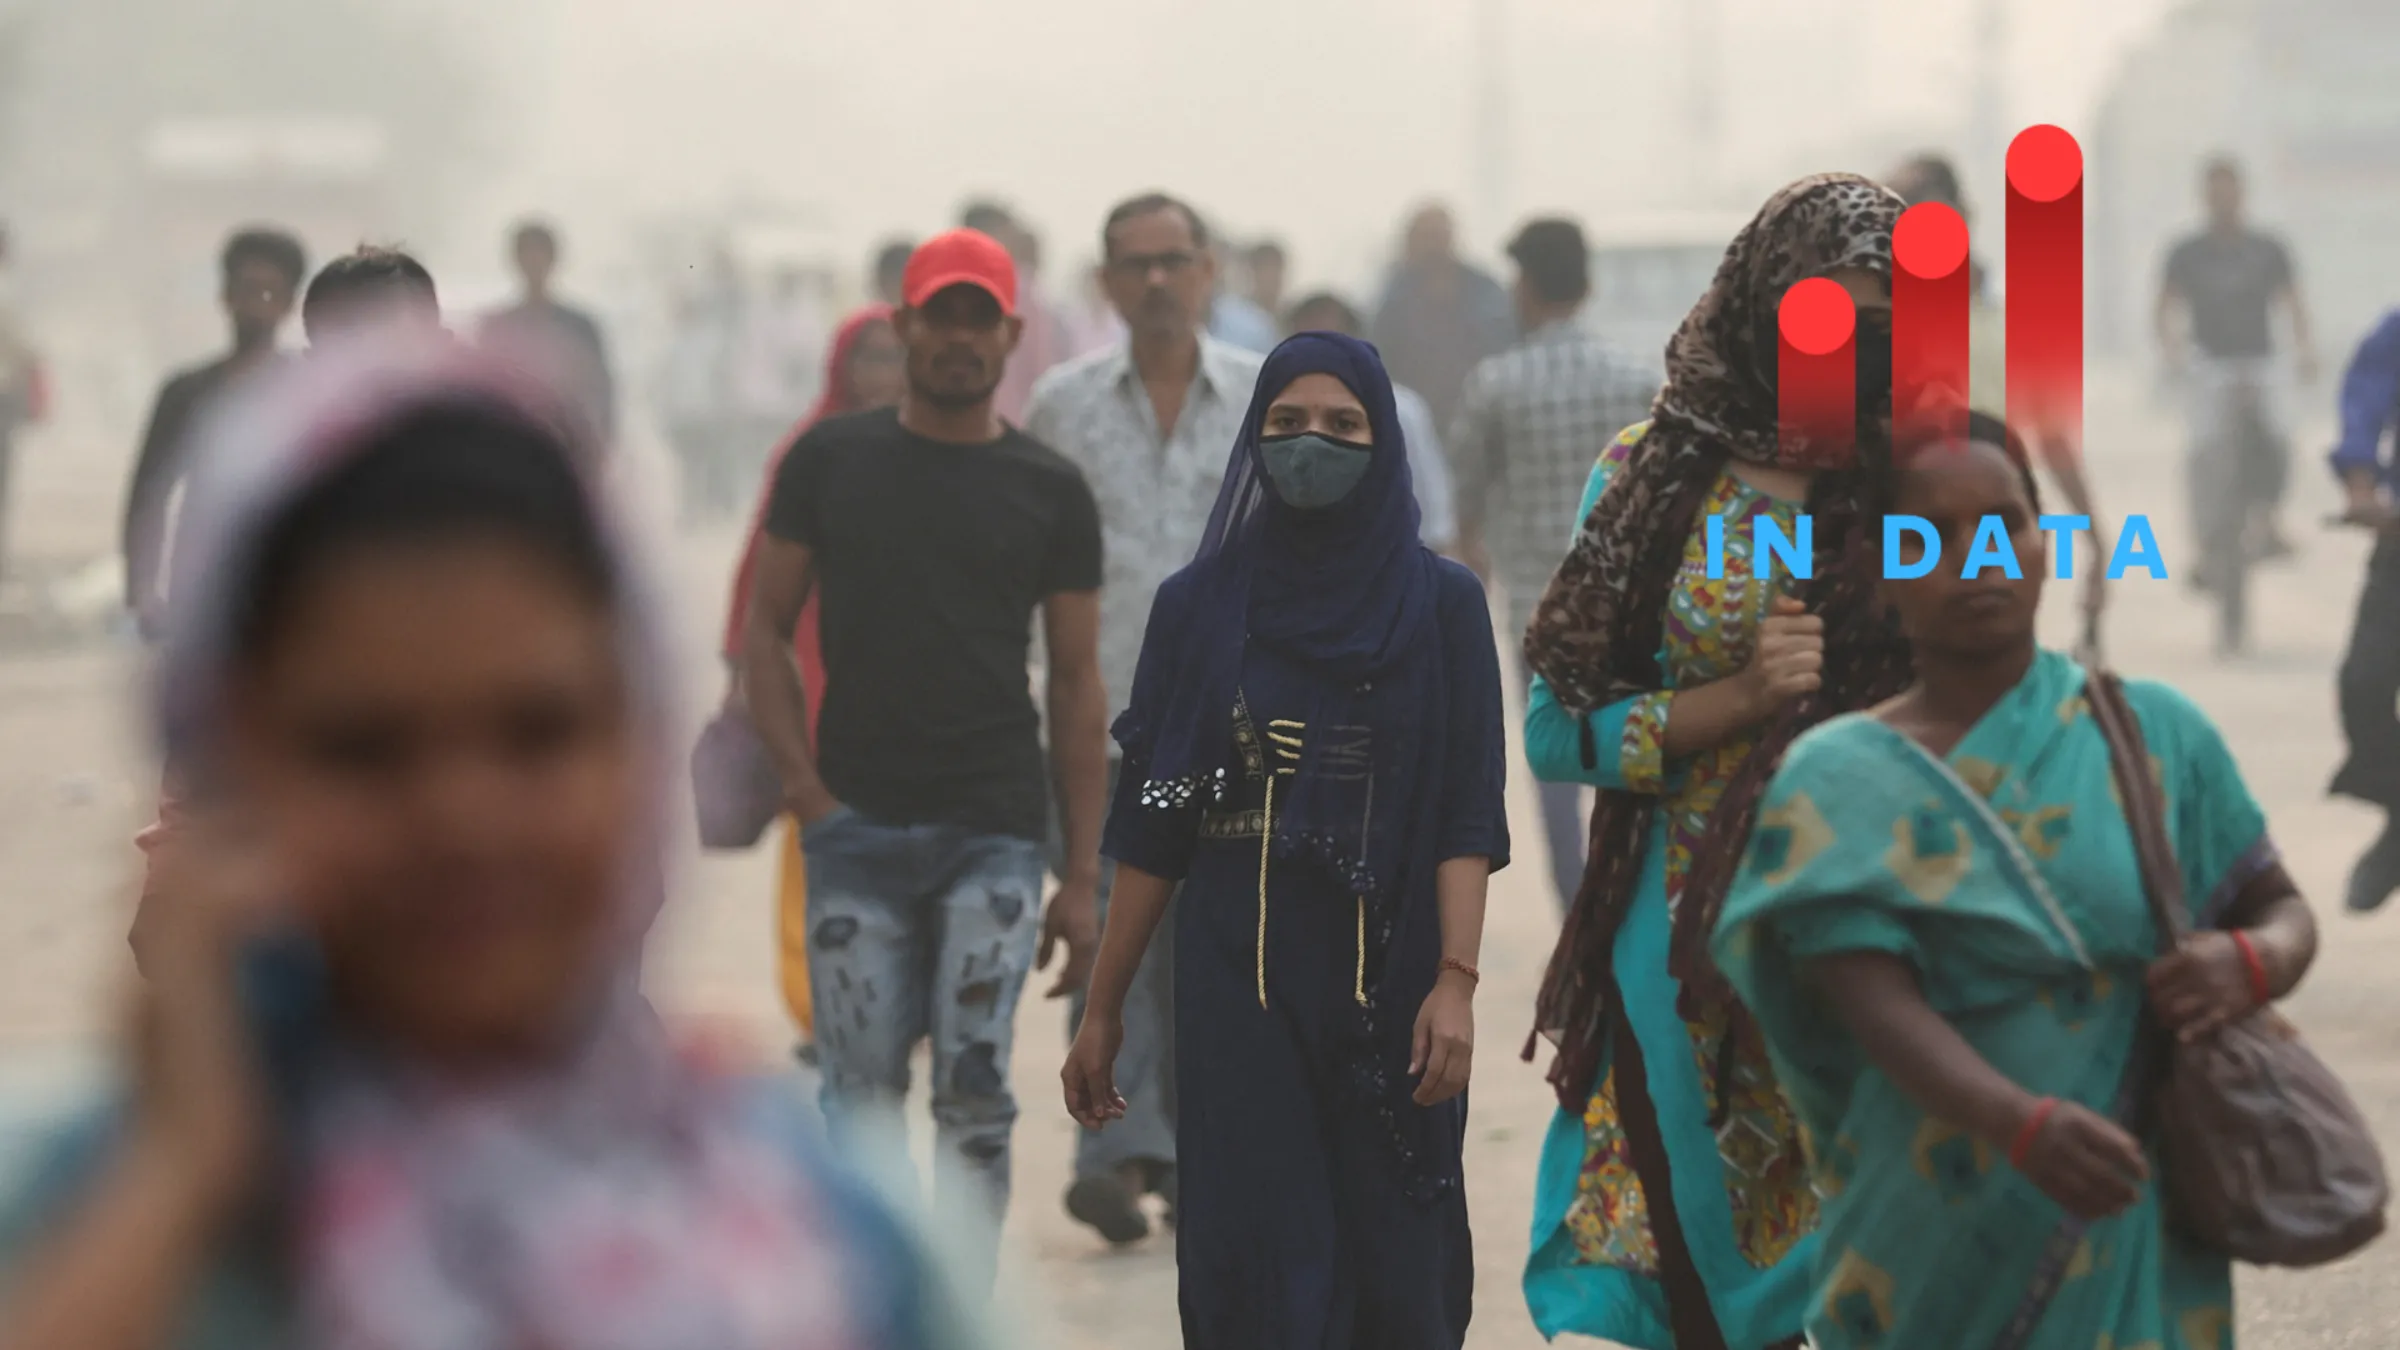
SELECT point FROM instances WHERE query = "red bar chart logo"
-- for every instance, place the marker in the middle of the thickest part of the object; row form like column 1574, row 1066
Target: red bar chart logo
column 1932, row 299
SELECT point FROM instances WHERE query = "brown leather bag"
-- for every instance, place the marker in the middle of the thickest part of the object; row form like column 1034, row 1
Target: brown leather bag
column 2267, row 1158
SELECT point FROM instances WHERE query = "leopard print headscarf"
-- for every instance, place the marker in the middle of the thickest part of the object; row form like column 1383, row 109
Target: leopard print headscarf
column 1596, row 634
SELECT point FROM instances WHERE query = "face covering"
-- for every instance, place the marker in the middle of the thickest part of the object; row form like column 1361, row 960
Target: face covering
column 1311, row 472
column 1874, row 347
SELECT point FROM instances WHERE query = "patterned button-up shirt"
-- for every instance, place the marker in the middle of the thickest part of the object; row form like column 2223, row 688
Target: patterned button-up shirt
column 1155, row 490
column 1531, row 424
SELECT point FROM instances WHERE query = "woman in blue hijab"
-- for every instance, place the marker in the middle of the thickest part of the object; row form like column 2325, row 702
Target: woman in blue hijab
column 1314, row 752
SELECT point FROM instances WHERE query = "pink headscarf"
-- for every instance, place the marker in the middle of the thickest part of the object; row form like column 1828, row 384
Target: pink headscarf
column 617, row 1195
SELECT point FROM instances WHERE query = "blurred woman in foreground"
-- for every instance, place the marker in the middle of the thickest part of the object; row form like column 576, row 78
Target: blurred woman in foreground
column 394, row 1085
column 862, row 372
column 1942, row 930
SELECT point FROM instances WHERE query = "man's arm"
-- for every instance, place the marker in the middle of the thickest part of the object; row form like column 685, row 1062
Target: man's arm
column 1475, row 456
column 2287, row 295
column 155, row 470
column 781, row 575
column 2163, row 316
column 2370, row 395
column 1078, row 707
column 604, row 381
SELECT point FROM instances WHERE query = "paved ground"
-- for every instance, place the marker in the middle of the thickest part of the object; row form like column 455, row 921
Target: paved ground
column 73, row 782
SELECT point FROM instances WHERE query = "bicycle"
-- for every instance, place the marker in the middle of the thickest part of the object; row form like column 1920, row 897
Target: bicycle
column 2235, row 473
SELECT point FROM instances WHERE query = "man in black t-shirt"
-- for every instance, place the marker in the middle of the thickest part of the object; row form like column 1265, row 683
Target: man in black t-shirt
column 932, row 534
column 2215, row 316
column 261, row 272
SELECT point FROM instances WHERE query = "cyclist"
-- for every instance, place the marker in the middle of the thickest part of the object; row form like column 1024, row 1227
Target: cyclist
column 2216, row 305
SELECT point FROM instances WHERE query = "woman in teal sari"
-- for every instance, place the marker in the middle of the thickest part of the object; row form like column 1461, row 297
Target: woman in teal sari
column 1940, row 927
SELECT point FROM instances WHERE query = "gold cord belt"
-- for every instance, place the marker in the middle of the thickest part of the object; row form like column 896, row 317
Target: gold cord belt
column 1266, row 844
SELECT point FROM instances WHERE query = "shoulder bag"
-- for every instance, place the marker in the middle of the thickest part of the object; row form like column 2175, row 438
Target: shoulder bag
column 2267, row 1159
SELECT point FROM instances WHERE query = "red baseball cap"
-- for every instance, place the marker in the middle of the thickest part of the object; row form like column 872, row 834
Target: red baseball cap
column 960, row 258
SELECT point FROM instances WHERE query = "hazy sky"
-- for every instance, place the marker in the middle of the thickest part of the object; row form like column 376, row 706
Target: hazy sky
column 1318, row 119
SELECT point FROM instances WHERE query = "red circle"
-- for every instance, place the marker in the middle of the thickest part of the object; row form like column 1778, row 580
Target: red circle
column 1931, row 241
column 2044, row 163
column 1816, row 316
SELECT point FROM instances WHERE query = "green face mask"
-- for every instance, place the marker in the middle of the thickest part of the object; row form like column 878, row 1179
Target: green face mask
column 1311, row 472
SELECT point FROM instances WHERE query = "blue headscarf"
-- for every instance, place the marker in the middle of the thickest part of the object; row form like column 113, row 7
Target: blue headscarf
column 1346, row 594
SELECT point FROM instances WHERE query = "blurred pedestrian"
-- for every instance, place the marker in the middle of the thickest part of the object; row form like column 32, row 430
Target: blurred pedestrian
column 1941, row 931
column 699, row 404
column 371, row 289
column 862, row 373
column 1674, row 1203
column 891, row 267
column 1267, row 271
column 1232, row 316
column 1047, row 337
column 260, row 271
column 1314, row 750
column 24, row 385
column 564, row 340
column 2370, row 673
column 1531, row 424
column 1438, row 315
column 394, row 1017
column 1148, row 422
column 1428, row 465
column 932, row 536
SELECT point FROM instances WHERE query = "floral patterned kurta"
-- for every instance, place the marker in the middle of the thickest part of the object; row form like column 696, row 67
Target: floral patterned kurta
column 1596, row 1259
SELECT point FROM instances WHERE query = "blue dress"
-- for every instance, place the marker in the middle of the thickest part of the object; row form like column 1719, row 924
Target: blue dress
column 1319, row 1208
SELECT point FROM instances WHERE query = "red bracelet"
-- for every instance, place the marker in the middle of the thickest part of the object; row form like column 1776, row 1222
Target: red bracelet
column 2031, row 1131
column 2261, row 988
column 1473, row 975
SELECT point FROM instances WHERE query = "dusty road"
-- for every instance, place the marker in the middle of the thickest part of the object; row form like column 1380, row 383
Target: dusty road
column 74, row 782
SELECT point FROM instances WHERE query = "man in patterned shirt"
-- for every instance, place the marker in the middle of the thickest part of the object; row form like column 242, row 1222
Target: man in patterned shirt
column 1531, row 423
column 1150, row 420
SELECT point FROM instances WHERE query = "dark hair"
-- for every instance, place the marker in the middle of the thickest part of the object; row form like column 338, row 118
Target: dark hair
column 1349, row 320
column 2221, row 163
column 261, row 244
column 536, row 232
column 1935, row 179
column 1149, row 203
column 444, row 472
column 1267, row 251
column 891, row 261
column 370, row 271
column 1556, row 262
column 986, row 215
column 1982, row 428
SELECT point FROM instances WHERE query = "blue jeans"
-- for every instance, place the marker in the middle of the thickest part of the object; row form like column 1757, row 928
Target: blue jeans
column 924, row 931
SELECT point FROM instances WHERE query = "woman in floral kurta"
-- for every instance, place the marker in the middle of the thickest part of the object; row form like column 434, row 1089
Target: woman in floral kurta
column 1592, row 1226
column 1673, row 1210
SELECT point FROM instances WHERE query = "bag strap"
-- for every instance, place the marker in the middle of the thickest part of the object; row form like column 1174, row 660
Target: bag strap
column 2145, row 806
column 2162, row 885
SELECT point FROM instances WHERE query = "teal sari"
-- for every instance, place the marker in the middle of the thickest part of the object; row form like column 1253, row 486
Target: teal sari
column 2006, row 876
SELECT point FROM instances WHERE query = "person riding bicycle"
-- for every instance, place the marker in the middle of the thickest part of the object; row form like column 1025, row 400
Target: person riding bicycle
column 2224, row 283
column 2370, row 676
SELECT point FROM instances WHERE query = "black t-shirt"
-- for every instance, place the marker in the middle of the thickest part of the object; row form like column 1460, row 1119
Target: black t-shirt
column 2229, row 283
column 931, row 560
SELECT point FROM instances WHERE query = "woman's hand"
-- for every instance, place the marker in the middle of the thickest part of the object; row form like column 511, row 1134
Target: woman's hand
column 2202, row 986
column 1790, row 659
column 1444, row 1047
column 1090, row 1074
column 2084, row 1161
column 202, row 1098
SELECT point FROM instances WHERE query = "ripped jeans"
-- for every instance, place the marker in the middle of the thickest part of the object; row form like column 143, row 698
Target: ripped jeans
column 920, row 931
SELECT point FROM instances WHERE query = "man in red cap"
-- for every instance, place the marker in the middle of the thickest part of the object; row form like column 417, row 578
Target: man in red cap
column 933, row 533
